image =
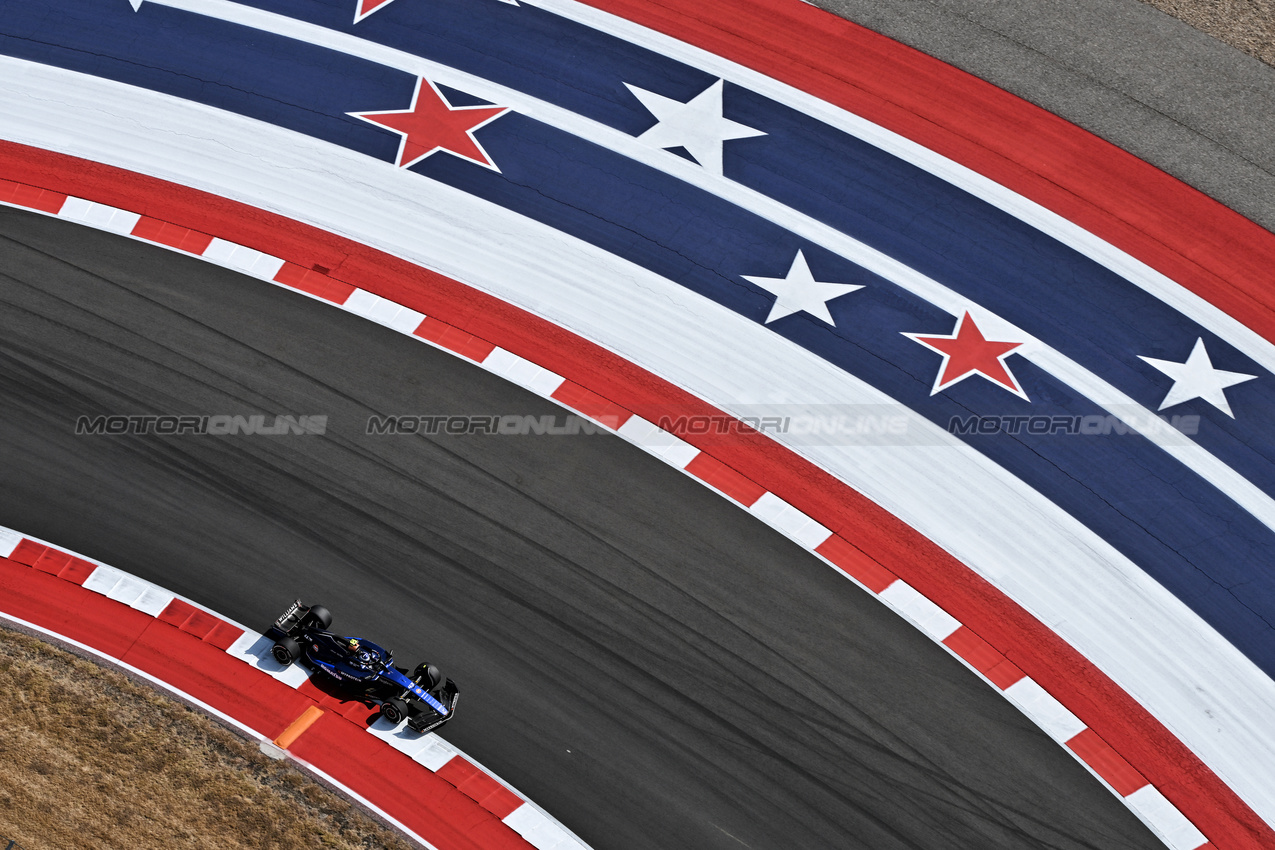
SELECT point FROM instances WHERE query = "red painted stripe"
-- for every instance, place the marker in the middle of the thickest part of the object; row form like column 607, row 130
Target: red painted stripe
column 199, row 623
column 881, row 538
column 856, row 563
column 52, row 561
column 1177, row 230
column 176, row 612
column 476, row 784
column 454, row 339
column 721, row 477
column 314, row 282
column 423, row 802
column 592, row 405
column 223, row 636
column 1106, row 762
column 28, row 552
column 69, row 609
column 982, row 657
column 208, row 674
column 171, row 235
column 77, row 571
column 31, row 197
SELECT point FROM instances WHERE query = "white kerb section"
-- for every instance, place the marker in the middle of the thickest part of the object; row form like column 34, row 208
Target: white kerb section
column 789, row 521
column 9, row 540
column 1047, row 713
column 920, row 610
column 100, row 216
column 1165, row 820
column 668, row 447
column 242, row 259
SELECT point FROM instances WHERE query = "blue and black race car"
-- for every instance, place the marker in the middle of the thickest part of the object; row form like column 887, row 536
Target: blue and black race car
column 426, row 698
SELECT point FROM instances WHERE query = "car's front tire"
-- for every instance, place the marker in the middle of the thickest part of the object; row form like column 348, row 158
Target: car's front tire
column 394, row 710
column 286, row 651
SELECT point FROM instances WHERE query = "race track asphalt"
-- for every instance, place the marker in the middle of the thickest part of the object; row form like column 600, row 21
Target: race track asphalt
column 646, row 661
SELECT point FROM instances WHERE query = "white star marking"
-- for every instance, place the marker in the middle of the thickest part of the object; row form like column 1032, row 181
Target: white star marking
column 697, row 125
column 1196, row 378
column 800, row 291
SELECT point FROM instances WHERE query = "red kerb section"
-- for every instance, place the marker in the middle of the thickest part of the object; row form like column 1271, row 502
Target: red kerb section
column 592, row 405
column 314, row 282
column 721, row 477
column 31, row 197
column 1106, row 762
column 454, row 339
column 983, row 658
column 476, row 784
column 172, row 235
column 856, row 563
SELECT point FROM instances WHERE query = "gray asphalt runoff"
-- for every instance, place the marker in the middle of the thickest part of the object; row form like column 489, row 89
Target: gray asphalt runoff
column 642, row 658
column 1127, row 72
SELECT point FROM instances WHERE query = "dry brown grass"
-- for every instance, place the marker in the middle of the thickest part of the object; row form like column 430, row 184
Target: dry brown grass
column 1248, row 25
column 91, row 759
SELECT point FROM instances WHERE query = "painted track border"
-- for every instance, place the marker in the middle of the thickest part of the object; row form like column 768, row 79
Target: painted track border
column 152, row 632
column 1157, row 777
column 1153, row 217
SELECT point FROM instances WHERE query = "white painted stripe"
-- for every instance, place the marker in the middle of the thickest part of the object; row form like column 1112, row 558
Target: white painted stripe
column 921, row 610
column 253, row 648
column 242, row 259
column 1215, row 700
column 1066, row 232
column 434, row 752
column 523, row 372
column 97, row 215
column 383, row 311
column 103, row 579
column 128, row 590
column 1248, row 496
column 9, row 540
column 153, row 600
column 540, row 831
column 1165, row 819
column 667, row 447
column 787, row 520
column 1047, row 712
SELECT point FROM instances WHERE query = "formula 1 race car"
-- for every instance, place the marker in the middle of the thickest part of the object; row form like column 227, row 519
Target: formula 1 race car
column 364, row 670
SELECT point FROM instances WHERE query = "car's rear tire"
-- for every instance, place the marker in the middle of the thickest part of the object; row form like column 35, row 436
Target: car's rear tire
column 319, row 616
column 394, row 710
column 286, row 650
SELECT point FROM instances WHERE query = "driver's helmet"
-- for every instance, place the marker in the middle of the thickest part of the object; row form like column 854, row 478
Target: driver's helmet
column 352, row 644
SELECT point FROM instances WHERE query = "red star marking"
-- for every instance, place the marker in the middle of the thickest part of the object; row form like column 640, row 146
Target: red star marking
column 966, row 352
column 367, row 7
column 432, row 124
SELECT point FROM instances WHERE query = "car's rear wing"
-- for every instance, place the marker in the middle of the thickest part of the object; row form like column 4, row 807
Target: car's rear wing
column 288, row 620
